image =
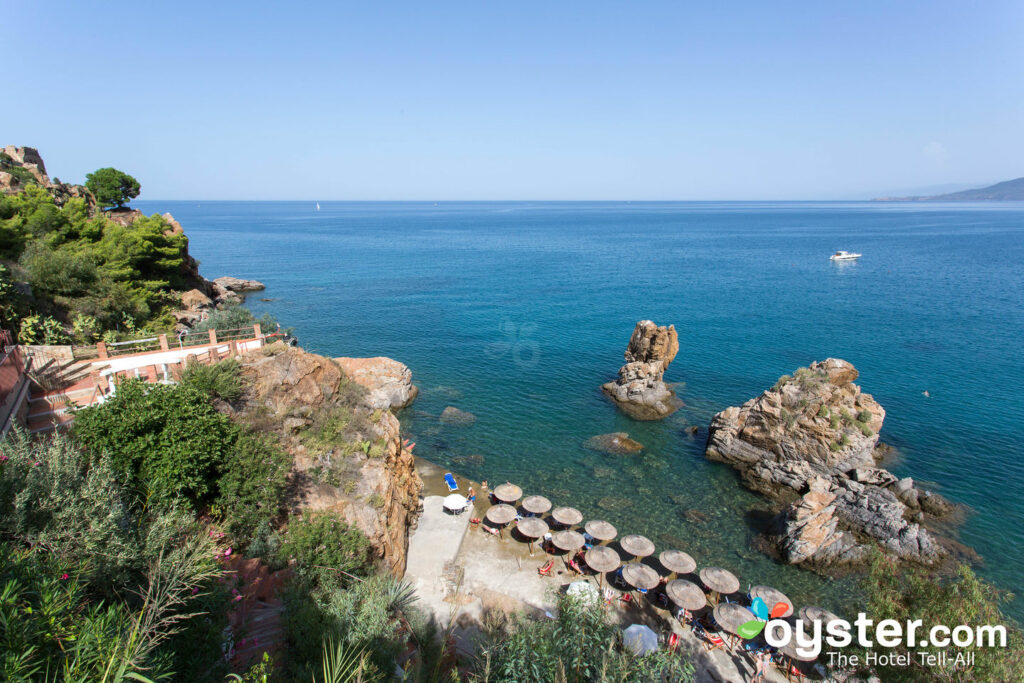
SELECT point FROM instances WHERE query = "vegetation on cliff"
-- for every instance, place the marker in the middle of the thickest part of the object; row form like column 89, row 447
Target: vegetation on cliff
column 111, row 187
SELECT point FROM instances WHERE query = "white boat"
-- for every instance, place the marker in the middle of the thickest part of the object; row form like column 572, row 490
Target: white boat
column 844, row 256
column 318, row 206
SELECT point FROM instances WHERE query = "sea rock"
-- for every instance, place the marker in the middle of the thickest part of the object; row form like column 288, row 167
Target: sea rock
column 616, row 443
column 238, row 285
column 388, row 382
column 195, row 300
column 810, row 441
column 453, row 416
column 640, row 391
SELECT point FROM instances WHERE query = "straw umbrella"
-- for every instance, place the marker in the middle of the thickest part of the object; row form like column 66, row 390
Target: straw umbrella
column 640, row 576
column 567, row 541
column 772, row 597
column 789, row 652
column 533, row 528
column 720, row 581
column 602, row 531
column 677, row 562
column 508, row 493
column 813, row 614
column 729, row 616
column 602, row 560
column 686, row 594
column 536, row 505
column 637, row 546
column 500, row 515
column 567, row 516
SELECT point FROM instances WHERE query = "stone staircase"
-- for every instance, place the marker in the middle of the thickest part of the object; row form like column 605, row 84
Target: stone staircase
column 56, row 390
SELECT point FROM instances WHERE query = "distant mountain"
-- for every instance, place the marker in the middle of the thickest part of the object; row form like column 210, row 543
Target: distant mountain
column 1008, row 190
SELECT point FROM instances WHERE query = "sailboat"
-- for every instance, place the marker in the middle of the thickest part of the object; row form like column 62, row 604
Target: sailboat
column 318, row 206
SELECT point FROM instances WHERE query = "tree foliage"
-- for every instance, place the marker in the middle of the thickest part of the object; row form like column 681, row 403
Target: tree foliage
column 111, row 187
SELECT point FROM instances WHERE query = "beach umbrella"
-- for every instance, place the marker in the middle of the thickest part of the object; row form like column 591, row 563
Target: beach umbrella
column 455, row 502
column 789, row 650
column 602, row 560
column 771, row 598
column 583, row 590
column 532, row 528
column 568, row 540
column 640, row 639
column 677, row 562
column 813, row 614
column 730, row 617
column 501, row 514
column 686, row 594
column 508, row 493
column 567, row 516
column 719, row 580
column 637, row 546
column 640, row 576
column 538, row 505
column 602, row 531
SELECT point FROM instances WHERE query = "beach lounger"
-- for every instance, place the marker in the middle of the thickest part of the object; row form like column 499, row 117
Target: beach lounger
column 546, row 569
column 449, row 479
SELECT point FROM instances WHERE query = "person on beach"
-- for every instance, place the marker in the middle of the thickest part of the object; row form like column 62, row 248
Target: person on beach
column 761, row 660
column 472, row 495
column 484, row 485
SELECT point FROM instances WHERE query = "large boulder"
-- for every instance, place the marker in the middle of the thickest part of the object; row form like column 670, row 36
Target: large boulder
column 238, row 285
column 388, row 382
column 640, row 390
column 811, row 441
column 616, row 443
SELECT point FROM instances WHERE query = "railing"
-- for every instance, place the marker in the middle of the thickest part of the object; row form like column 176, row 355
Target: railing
column 184, row 341
column 133, row 346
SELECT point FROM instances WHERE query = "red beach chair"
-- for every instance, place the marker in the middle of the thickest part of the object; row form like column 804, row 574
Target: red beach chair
column 546, row 569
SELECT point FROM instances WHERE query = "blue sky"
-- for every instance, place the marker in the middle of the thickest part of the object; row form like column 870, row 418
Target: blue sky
column 524, row 100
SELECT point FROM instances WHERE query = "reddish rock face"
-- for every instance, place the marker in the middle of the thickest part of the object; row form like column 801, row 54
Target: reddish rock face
column 388, row 382
column 650, row 342
column 640, row 391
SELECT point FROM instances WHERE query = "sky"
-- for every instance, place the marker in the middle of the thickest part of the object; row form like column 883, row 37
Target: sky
column 566, row 99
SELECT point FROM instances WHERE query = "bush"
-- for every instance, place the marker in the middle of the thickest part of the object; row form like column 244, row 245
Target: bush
column 864, row 416
column 252, row 486
column 222, row 380
column 234, row 317
column 823, row 411
column 35, row 329
column 320, row 540
column 112, row 187
column 168, row 442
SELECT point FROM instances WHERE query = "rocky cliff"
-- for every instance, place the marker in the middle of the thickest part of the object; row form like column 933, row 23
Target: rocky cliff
column 811, row 442
column 388, row 383
column 640, row 390
column 348, row 455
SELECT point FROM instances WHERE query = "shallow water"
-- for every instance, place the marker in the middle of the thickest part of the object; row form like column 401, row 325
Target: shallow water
column 517, row 312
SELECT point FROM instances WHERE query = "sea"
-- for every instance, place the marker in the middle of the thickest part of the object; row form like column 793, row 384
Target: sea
column 517, row 312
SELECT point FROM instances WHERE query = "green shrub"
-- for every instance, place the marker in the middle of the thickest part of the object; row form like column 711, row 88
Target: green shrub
column 234, row 317
column 322, row 544
column 35, row 329
column 252, row 486
column 823, row 411
column 167, row 441
column 864, row 416
column 221, row 380
column 112, row 187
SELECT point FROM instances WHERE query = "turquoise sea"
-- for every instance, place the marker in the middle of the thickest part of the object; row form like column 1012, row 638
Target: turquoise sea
column 518, row 311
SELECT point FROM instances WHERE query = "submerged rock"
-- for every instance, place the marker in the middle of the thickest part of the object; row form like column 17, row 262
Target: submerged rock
column 388, row 382
column 616, row 443
column 640, row 391
column 453, row 416
column 811, row 441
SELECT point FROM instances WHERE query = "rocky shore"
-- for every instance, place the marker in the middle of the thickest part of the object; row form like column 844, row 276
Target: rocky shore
column 811, row 443
column 640, row 391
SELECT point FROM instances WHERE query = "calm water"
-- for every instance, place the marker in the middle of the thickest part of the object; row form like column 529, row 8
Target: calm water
column 517, row 312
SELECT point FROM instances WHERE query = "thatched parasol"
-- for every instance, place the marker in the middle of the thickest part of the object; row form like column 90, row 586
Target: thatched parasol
column 568, row 540
column 567, row 516
column 501, row 514
column 508, row 493
column 677, row 561
column 789, row 649
column 638, row 546
column 720, row 580
column 686, row 594
column 602, row 559
column 602, row 531
column 729, row 616
column 640, row 575
column 812, row 614
column 538, row 505
column 532, row 527
column 771, row 598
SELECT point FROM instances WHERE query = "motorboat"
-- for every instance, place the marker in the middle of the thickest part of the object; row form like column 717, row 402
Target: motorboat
column 844, row 256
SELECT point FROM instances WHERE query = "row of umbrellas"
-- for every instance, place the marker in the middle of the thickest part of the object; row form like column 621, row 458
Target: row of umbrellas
column 604, row 559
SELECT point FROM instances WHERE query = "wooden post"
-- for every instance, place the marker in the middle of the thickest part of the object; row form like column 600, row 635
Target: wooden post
column 233, row 348
column 257, row 331
column 213, row 336
column 101, row 349
column 163, row 343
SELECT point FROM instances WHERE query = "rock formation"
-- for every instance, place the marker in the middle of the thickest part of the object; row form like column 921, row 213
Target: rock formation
column 616, row 443
column 377, row 489
column 453, row 416
column 388, row 382
column 640, row 391
column 811, row 441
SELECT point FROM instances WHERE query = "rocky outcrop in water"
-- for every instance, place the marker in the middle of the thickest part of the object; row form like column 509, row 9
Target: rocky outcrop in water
column 616, row 443
column 811, row 442
column 367, row 475
column 388, row 382
column 640, row 391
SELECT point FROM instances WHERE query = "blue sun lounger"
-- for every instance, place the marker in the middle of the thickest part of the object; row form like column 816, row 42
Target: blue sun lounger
column 450, row 480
